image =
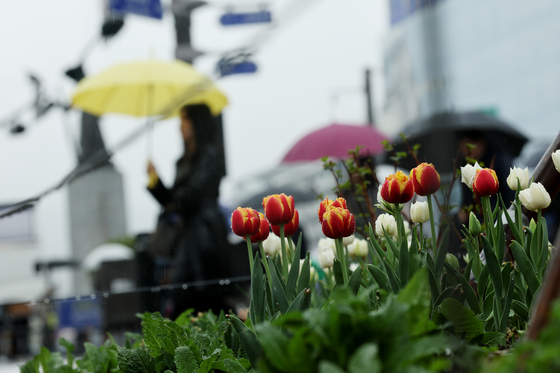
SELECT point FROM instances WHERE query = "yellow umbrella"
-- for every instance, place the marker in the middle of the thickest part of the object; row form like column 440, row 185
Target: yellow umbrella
column 147, row 88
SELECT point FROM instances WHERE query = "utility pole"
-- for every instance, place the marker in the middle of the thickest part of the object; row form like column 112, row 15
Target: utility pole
column 369, row 99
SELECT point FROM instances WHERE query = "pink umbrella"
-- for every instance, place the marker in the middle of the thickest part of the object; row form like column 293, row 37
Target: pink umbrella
column 335, row 141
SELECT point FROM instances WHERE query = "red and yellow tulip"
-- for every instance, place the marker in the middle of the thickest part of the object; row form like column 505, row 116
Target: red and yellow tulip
column 326, row 203
column 264, row 229
column 279, row 208
column 397, row 188
column 245, row 221
column 338, row 222
column 425, row 178
column 289, row 229
column 485, row 182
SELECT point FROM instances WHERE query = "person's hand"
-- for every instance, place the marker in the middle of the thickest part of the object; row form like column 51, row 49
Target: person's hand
column 152, row 175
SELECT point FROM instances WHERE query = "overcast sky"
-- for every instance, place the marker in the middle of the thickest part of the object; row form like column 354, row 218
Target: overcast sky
column 319, row 51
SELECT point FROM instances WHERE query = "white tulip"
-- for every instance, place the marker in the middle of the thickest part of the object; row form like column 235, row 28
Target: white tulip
column 272, row 245
column 419, row 212
column 468, row 172
column 358, row 248
column 327, row 244
column 388, row 222
column 535, row 197
column 326, row 259
column 347, row 240
column 353, row 266
column 516, row 173
column 556, row 159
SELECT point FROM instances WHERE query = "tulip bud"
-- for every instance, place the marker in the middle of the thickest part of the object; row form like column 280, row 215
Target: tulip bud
column 397, row 188
column 272, row 245
column 384, row 205
column 425, row 178
column 474, row 225
column 326, row 244
column 388, row 222
column 289, row 229
column 245, row 221
column 264, row 230
column 326, row 259
column 358, row 248
column 326, row 203
column 535, row 197
column 468, row 172
column 279, row 208
column 419, row 212
column 516, row 174
column 338, row 222
column 347, row 240
column 452, row 260
column 556, row 159
column 485, row 182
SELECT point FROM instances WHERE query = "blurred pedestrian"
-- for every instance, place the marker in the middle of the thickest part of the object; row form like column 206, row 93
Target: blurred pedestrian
column 191, row 234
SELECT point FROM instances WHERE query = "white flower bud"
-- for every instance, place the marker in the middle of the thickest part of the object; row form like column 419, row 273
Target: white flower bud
column 419, row 212
column 468, row 172
column 516, row 173
column 556, row 159
column 358, row 248
column 347, row 240
column 326, row 259
column 535, row 197
column 388, row 222
column 326, row 244
column 353, row 266
column 272, row 245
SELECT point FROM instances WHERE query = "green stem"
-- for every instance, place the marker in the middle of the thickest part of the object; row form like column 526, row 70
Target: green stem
column 291, row 251
column 488, row 221
column 432, row 226
column 266, row 267
column 284, row 254
column 340, row 255
column 421, row 242
column 250, row 251
column 400, row 232
column 328, row 276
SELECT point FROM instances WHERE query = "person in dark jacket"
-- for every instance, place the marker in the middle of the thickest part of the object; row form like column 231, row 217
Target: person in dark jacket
column 191, row 207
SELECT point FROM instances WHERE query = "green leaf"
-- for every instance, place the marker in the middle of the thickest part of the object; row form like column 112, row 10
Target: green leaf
column 465, row 322
column 248, row 340
column 293, row 276
column 355, row 280
column 326, row 366
column 483, row 281
column 544, row 245
column 507, row 303
column 442, row 251
column 337, row 269
column 185, row 360
column 512, row 226
column 69, row 349
column 302, row 301
column 417, row 290
column 184, row 318
column 492, row 339
column 403, row 263
column 525, row 266
column 447, row 293
column 275, row 346
column 470, row 295
column 135, row 360
column 231, row 366
column 380, row 278
column 493, row 266
column 365, row 360
column 305, row 275
column 279, row 300
column 467, row 272
column 258, row 294
column 413, row 257
column 520, row 309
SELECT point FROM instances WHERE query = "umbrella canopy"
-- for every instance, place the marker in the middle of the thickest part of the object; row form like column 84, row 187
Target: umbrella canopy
column 439, row 137
column 147, row 88
column 335, row 141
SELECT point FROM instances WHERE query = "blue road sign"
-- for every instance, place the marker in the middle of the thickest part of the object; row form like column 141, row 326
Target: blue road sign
column 230, row 68
column 79, row 314
column 230, row 19
column 147, row 8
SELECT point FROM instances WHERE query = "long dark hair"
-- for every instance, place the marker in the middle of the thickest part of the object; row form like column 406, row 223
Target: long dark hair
column 205, row 127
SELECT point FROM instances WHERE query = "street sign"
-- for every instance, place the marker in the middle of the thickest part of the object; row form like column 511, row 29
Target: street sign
column 147, row 8
column 79, row 314
column 229, row 68
column 230, row 19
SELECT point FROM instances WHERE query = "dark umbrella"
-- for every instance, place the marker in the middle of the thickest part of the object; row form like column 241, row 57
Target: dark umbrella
column 439, row 136
column 335, row 141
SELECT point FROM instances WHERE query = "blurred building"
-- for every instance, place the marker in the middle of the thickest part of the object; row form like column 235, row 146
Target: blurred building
column 499, row 56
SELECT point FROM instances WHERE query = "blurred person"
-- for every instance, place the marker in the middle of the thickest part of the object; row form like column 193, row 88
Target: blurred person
column 191, row 236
